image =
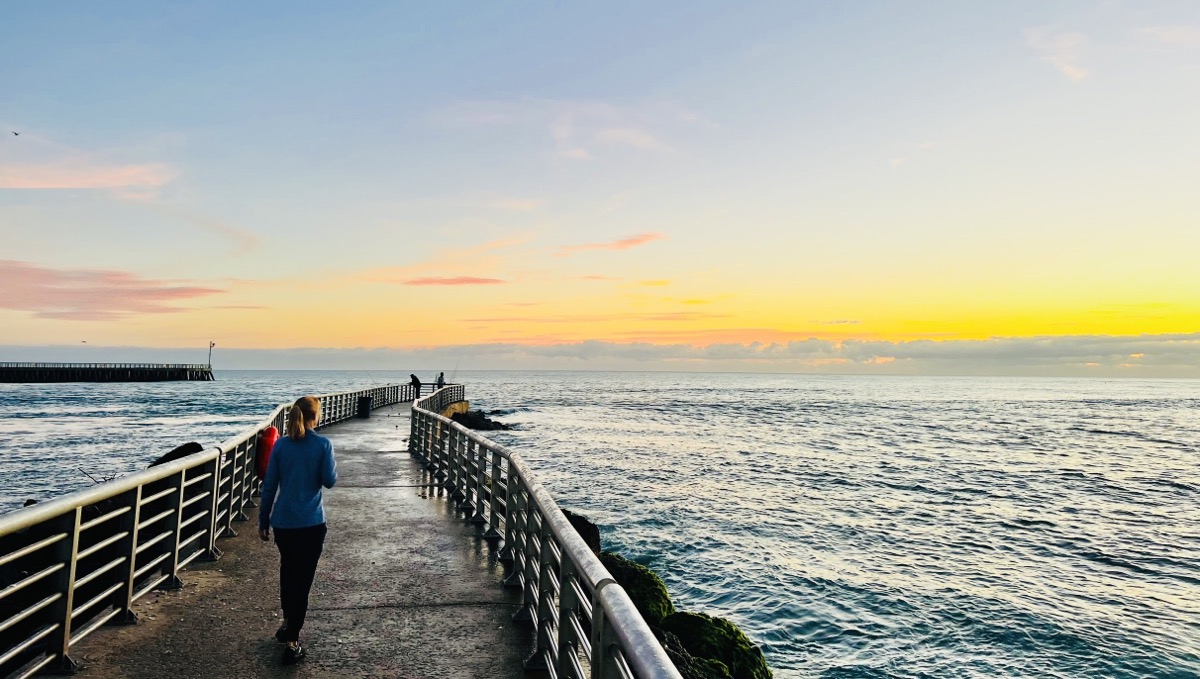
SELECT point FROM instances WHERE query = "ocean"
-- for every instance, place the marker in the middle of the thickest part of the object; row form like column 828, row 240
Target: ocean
column 853, row 526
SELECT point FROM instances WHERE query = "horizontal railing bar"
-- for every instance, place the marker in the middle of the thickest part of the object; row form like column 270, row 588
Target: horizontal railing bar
column 94, row 625
column 191, row 557
column 197, row 479
column 96, row 599
column 101, row 519
column 160, row 580
column 191, row 501
column 160, row 494
column 22, row 584
column 100, row 571
column 30, row 549
column 18, row 650
column 581, row 635
column 33, row 671
column 30, row 611
column 150, row 565
column 42, row 511
column 153, row 541
column 157, row 517
column 83, row 554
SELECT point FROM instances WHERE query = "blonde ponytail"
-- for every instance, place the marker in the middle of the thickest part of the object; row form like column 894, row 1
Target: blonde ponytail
column 303, row 414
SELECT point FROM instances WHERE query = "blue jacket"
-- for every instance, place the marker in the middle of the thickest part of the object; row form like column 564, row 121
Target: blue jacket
column 291, row 493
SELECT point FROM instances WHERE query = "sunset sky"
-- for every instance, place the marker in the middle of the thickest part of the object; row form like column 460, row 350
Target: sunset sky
column 909, row 187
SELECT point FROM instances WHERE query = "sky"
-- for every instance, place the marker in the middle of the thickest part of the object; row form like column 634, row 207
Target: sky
column 853, row 187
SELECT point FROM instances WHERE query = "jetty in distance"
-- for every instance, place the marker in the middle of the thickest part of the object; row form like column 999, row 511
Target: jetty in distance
column 104, row 372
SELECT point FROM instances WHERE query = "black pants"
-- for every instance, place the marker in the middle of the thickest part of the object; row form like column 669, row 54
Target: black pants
column 299, row 551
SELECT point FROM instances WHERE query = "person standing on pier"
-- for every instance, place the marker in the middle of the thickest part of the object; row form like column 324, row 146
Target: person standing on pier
column 416, row 384
column 441, row 381
column 301, row 464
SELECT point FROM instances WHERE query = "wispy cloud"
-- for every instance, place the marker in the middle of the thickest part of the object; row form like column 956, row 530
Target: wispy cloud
column 456, row 280
column 660, row 283
column 1175, row 35
column 1062, row 50
column 30, row 161
column 579, row 129
column 482, row 258
column 621, row 244
column 600, row 318
column 79, row 173
column 632, row 137
column 242, row 241
column 517, row 204
column 87, row 294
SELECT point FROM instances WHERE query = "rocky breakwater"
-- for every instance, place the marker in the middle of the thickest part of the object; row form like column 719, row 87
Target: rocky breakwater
column 701, row 646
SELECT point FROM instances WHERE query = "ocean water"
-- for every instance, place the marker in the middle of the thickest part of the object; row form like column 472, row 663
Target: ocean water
column 852, row 526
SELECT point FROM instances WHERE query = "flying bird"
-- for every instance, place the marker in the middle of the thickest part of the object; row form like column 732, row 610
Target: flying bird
column 16, row 134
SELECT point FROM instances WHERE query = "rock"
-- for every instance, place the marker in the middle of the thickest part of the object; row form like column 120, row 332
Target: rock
column 718, row 639
column 689, row 665
column 475, row 419
column 182, row 451
column 643, row 585
column 586, row 529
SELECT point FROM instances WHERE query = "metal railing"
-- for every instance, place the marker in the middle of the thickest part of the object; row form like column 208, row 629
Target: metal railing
column 75, row 563
column 580, row 613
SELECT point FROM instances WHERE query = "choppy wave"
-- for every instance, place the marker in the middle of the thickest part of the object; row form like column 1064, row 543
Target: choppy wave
column 853, row 526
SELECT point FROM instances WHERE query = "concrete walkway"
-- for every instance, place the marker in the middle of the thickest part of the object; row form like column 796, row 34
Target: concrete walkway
column 405, row 588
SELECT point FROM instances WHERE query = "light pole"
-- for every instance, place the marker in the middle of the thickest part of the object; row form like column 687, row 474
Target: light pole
column 211, row 344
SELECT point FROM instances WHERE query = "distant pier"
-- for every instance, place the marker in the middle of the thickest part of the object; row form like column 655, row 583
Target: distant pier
column 104, row 372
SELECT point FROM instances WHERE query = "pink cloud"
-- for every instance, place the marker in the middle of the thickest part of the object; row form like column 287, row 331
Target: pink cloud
column 88, row 295
column 622, row 244
column 457, row 280
column 79, row 174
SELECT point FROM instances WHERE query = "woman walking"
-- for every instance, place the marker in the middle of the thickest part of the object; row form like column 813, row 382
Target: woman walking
column 301, row 464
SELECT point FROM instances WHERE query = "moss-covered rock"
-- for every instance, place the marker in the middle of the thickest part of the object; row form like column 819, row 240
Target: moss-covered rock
column 719, row 639
column 643, row 585
column 689, row 665
column 586, row 529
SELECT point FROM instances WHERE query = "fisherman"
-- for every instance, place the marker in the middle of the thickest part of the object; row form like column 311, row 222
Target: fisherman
column 416, row 384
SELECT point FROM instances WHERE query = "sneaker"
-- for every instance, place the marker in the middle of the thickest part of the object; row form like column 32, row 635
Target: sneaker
column 293, row 654
column 281, row 633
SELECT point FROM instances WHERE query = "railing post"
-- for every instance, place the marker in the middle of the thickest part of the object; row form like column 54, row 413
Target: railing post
column 529, row 565
column 478, row 453
column 513, row 535
column 493, row 531
column 123, row 598
column 228, row 531
column 568, row 609
column 545, row 641
column 451, row 457
column 212, row 486
column 174, row 582
column 60, row 640
column 602, row 638
column 414, row 447
column 512, row 518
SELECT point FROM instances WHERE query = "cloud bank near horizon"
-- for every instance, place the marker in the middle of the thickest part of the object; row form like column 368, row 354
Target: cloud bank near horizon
column 1148, row 356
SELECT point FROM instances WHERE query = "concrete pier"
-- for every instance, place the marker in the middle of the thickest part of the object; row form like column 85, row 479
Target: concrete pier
column 405, row 588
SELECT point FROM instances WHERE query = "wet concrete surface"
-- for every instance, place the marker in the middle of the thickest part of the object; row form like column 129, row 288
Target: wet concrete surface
column 405, row 588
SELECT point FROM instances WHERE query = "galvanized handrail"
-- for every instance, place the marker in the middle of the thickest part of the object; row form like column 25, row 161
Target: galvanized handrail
column 72, row 564
column 581, row 614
